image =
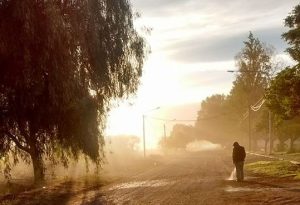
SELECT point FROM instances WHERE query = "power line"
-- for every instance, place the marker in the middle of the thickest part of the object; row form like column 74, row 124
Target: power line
column 257, row 108
column 254, row 108
column 161, row 119
column 170, row 120
column 262, row 98
column 189, row 120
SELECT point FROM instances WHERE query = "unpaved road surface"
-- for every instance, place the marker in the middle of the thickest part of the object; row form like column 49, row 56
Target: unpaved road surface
column 194, row 178
column 200, row 178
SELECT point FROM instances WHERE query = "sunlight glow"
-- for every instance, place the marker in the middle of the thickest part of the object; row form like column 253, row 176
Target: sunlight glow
column 172, row 87
column 193, row 45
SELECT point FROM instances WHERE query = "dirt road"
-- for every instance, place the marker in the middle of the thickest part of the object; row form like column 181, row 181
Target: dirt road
column 199, row 178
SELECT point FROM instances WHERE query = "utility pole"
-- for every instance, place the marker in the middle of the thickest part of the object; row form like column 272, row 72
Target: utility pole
column 249, row 110
column 144, row 130
column 165, row 133
column 144, row 138
column 270, row 132
column 249, row 125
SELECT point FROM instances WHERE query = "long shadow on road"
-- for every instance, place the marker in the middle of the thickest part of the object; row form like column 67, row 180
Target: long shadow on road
column 256, row 185
column 62, row 194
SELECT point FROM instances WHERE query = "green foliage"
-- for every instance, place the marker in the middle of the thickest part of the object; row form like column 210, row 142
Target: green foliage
column 253, row 82
column 61, row 63
column 289, row 129
column 288, row 156
column 284, row 93
column 273, row 168
column 292, row 37
column 263, row 123
column 254, row 64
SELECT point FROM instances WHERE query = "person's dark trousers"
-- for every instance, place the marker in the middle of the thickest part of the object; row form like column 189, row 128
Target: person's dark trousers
column 239, row 170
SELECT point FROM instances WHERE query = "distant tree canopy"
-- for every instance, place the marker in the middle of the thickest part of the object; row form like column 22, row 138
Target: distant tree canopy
column 180, row 136
column 215, row 121
column 253, row 82
column 221, row 118
column 61, row 63
column 123, row 145
column 212, row 106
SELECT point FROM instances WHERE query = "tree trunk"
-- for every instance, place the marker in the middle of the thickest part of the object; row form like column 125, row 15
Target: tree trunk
column 254, row 145
column 271, row 145
column 292, row 145
column 38, row 168
column 280, row 147
column 266, row 146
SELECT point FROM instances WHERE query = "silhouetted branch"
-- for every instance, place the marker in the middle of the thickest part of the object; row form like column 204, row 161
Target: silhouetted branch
column 16, row 141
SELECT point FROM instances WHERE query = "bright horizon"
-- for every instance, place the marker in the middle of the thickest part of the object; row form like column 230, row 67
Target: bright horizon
column 191, row 55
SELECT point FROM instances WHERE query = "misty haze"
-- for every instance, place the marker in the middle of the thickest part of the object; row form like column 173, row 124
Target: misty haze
column 149, row 102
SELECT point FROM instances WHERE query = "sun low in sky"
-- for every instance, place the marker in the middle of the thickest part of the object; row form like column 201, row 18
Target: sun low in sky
column 193, row 44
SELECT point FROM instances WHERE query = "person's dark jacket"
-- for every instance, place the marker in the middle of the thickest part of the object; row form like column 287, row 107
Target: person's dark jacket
column 238, row 154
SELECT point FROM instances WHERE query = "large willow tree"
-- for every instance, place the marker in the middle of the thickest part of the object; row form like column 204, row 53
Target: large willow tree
column 61, row 63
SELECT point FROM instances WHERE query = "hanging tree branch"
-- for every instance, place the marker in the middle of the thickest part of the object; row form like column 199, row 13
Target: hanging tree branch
column 16, row 141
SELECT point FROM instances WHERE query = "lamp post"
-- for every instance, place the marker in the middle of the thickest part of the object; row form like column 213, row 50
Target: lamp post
column 249, row 109
column 144, row 131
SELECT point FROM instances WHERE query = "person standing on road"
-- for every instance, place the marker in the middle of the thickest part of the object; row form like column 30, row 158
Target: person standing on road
column 238, row 157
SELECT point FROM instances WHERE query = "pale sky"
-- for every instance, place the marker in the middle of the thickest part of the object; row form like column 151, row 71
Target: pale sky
column 193, row 43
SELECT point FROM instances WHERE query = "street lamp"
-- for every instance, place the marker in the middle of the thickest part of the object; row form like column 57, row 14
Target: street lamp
column 249, row 108
column 144, row 132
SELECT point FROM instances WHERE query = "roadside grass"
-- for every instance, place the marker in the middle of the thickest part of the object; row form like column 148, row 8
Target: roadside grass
column 279, row 168
column 288, row 156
